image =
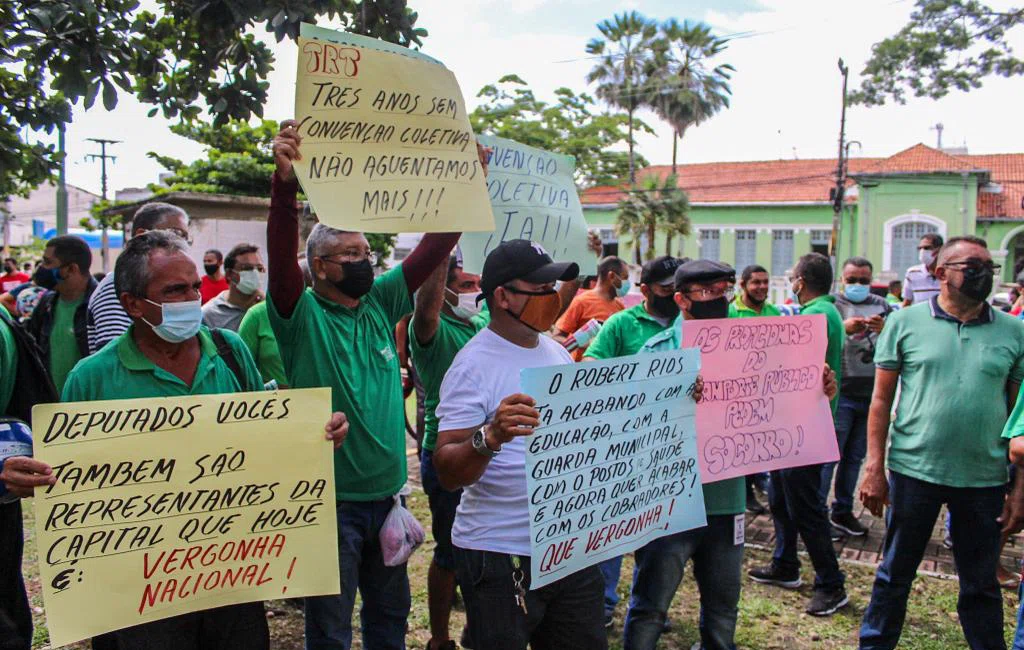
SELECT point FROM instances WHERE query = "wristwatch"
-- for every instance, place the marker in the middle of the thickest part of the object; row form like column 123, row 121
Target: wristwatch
column 480, row 444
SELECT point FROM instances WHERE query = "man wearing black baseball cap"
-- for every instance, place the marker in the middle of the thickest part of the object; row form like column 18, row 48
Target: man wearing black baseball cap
column 703, row 290
column 482, row 423
column 622, row 335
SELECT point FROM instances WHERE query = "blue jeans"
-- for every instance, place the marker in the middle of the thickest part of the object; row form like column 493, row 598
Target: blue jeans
column 1018, row 636
column 563, row 615
column 717, row 566
column 976, row 534
column 443, row 504
column 852, row 435
column 797, row 509
column 610, row 571
column 385, row 590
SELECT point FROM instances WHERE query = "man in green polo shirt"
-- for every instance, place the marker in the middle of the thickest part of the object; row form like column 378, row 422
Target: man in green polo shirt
column 340, row 333
column 166, row 353
column 959, row 364
column 796, row 505
column 447, row 315
column 751, row 302
column 624, row 334
column 703, row 291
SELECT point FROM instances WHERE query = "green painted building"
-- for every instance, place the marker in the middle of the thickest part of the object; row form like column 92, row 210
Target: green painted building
column 772, row 212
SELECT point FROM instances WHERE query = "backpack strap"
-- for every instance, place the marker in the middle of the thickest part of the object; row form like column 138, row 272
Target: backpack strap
column 227, row 354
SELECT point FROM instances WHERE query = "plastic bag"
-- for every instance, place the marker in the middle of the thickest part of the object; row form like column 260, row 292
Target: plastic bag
column 400, row 535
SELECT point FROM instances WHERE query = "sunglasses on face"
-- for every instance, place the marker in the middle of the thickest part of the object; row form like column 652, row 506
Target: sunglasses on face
column 857, row 280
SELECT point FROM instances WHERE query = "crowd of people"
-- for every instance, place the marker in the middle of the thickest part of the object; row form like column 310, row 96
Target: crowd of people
column 323, row 318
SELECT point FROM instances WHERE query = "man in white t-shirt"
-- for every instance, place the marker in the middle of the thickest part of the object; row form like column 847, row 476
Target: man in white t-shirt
column 920, row 284
column 482, row 421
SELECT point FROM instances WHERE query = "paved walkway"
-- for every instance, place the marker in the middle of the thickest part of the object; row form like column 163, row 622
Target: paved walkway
column 867, row 549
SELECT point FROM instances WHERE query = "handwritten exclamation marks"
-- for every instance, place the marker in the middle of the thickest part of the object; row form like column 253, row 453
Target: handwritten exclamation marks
column 291, row 567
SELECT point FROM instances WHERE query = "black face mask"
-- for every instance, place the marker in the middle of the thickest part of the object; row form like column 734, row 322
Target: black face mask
column 358, row 279
column 717, row 308
column 664, row 305
column 10, row 269
column 211, row 269
column 46, row 278
column 977, row 283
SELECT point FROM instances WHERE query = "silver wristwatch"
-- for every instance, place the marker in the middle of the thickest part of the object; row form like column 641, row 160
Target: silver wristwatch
column 480, row 444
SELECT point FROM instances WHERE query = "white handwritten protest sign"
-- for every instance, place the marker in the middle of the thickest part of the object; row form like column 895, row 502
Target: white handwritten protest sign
column 763, row 407
column 613, row 464
column 533, row 196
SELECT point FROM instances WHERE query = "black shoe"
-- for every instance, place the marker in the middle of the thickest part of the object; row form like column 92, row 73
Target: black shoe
column 609, row 621
column 846, row 522
column 754, row 506
column 772, row 575
column 836, row 534
column 447, row 645
column 826, row 603
column 666, row 627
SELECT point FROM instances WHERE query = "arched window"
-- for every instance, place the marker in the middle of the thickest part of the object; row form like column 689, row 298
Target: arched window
column 902, row 235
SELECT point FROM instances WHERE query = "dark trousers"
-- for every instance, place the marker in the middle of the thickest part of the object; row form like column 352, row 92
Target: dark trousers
column 852, row 435
column 976, row 535
column 235, row 627
column 797, row 509
column 15, row 615
column 564, row 615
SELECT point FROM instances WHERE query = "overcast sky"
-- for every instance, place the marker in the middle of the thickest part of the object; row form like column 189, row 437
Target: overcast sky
column 786, row 89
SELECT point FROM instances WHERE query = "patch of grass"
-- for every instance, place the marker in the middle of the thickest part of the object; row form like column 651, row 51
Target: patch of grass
column 770, row 618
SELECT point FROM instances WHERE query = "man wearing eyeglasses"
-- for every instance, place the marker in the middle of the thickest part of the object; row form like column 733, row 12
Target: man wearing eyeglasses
column 340, row 333
column 243, row 268
column 920, row 284
column 959, row 364
column 863, row 318
column 106, row 319
column 797, row 509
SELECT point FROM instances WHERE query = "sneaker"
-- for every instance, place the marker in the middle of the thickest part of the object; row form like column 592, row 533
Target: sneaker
column 666, row 627
column 947, row 539
column 754, row 506
column 772, row 575
column 846, row 522
column 826, row 603
column 836, row 534
column 609, row 621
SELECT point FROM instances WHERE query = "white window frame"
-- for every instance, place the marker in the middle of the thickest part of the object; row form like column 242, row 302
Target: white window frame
column 889, row 225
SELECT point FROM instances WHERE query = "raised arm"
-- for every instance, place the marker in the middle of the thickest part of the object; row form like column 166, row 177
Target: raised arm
column 433, row 249
column 285, row 277
column 427, row 315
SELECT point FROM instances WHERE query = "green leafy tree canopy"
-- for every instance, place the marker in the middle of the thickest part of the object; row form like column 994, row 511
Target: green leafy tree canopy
column 571, row 126
column 946, row 45
column 180, row 58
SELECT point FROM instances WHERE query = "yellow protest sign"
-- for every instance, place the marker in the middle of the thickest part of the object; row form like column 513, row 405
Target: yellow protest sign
column 170, row 505
column 386, row 141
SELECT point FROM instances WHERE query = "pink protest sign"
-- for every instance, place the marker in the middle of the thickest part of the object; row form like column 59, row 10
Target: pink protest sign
column 763, row 407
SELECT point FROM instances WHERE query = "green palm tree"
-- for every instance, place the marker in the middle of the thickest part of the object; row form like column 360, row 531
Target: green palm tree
column 683, row 90
column 674, row 211
column 631, row 221
column 624, row 53
column 655, row 204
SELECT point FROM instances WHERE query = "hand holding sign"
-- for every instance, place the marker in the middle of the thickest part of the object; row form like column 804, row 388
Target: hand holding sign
column 286, row 150
column 516, row 416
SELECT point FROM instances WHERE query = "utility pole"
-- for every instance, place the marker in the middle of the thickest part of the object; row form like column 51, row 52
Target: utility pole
column 62, row 186
column 938, row 128
column 102, row 156
column 839, row 191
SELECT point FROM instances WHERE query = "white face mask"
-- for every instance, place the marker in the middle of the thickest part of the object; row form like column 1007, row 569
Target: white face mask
column 468, row 306
column 248, row 281
column 926, row 256
column 179, row 321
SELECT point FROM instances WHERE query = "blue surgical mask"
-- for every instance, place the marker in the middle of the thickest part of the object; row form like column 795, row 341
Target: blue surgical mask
column 856, row 292
column 623, row 289
column 180, row 320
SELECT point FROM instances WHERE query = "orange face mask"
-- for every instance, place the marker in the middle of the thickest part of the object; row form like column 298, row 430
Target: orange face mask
column 541, row 308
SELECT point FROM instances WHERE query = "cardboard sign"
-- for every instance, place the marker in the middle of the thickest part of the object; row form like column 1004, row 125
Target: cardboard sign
column 170, row 505
column 763, row 407
column 613, row 464
column 533, row 196
column 386, row 141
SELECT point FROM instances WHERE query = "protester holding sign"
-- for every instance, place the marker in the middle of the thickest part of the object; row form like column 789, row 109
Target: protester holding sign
column 446, row 317
column 959, row 364
column 703, row 291
column 622, row 335
column 597, row 304
column 341, row 334
column 797, row 507
column 483, row 419
column 166, row 352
